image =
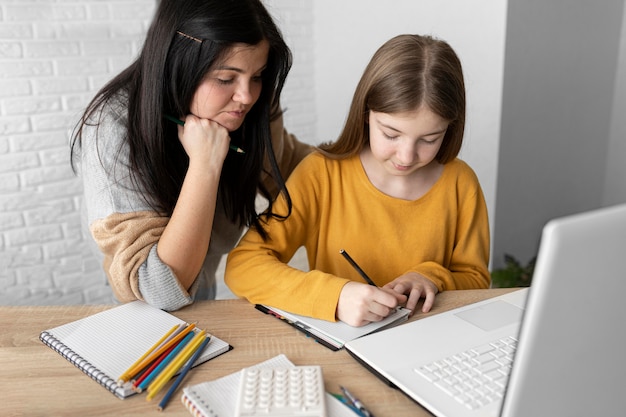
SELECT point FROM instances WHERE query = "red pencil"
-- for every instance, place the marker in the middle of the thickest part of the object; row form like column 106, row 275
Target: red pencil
column 154, row 355
column 154, row 364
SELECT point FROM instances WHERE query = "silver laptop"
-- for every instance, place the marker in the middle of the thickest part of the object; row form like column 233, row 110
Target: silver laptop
column 556, row 349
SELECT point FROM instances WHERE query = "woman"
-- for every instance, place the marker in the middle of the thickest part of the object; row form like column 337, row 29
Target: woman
column 164, row 201
column 390, row 191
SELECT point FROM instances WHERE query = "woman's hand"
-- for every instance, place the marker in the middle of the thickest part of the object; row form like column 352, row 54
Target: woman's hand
column 205, row 141
column 414, row 286
column 360, row 304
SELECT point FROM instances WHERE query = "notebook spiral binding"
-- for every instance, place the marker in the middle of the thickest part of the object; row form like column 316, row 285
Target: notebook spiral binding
column 82, row 364
column 193, row 400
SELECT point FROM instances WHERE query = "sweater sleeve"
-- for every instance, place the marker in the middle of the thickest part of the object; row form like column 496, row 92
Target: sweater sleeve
column 258, row 270
column 123, row 226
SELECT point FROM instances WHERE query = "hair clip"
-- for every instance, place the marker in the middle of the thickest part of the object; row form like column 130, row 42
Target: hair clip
column 189, row 37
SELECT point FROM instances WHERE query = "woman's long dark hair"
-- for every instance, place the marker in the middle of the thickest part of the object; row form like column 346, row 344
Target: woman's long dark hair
column 164, row 79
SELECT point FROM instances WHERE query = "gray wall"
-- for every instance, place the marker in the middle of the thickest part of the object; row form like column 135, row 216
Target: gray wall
column 615, row 185
column 559, row 124
column 476, row 30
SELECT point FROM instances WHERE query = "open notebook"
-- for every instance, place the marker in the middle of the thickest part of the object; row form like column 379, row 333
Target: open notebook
column 331, row 334
column 106, row 344
column 218, row 398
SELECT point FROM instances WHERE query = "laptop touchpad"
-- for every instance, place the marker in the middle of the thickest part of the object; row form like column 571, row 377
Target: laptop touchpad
column 492, row 316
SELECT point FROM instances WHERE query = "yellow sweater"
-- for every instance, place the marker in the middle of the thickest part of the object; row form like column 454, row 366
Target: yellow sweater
column 443, row 235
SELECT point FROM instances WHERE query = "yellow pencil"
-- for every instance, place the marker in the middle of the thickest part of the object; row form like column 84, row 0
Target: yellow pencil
column 178, row 362
column 159, row 351
column 175, row 365
column 124, row 377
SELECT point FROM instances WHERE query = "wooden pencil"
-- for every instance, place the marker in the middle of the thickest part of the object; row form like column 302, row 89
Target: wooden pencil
column 152, row 357
column 174, row 365
column 124, row 377
column 183, row 373
column 144, row 374
column 162, row 366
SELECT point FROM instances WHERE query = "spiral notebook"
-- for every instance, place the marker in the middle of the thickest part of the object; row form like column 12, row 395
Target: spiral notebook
column 106, row 344
column 218, row 398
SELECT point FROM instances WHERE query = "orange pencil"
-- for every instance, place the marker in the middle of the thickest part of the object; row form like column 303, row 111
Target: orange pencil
column 124, row 377
column 134, row 371
column 151, row 368
column 139, row 374
column 171, row 356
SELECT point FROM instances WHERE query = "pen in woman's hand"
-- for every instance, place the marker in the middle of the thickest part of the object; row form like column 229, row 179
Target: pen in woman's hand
column 180, row 122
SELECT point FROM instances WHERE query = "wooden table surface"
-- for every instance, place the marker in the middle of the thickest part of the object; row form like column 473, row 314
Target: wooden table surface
column 36, row 381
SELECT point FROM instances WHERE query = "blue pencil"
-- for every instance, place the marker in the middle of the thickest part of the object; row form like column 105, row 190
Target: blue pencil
column 165, row 361
column 182, row 374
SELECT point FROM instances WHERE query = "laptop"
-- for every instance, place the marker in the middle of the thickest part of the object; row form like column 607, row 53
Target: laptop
column 554, row 349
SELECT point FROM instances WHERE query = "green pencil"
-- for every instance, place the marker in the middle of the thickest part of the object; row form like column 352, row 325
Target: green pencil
column 180, row 122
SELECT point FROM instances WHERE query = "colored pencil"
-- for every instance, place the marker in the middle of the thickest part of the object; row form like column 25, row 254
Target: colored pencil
column 124, row 377
column 144, row 374
column 154, row 355
column 162, row 365
column 180, row 122
column 183, row 373
column 174, row 366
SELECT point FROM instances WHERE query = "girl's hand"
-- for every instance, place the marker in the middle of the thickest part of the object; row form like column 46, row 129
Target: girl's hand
column 415, row 286
column 205, row 141
column 360, row 304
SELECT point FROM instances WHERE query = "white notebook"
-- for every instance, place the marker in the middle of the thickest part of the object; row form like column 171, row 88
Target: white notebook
column 106, row 344
column 218, row 398
column 334, row 334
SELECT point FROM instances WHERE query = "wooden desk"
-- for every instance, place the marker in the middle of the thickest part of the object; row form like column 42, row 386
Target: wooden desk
column 36, row 381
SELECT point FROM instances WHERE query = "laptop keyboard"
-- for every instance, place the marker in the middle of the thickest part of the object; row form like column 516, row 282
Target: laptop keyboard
column 476, row 377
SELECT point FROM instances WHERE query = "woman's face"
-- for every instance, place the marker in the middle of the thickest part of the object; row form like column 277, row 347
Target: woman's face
column 230, row 88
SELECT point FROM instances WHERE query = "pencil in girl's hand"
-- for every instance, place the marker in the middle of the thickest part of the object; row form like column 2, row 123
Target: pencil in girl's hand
column 180, row 122
column 357, row 267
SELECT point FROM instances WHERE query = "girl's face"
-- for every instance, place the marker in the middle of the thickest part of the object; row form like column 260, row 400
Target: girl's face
column 403, row 143
column 230, row 89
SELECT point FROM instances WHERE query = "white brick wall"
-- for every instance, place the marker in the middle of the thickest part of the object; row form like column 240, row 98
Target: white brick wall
column 54, row 56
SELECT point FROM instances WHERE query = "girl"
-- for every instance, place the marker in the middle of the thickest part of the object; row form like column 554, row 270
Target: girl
column 165, row 197
column 390, row 191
